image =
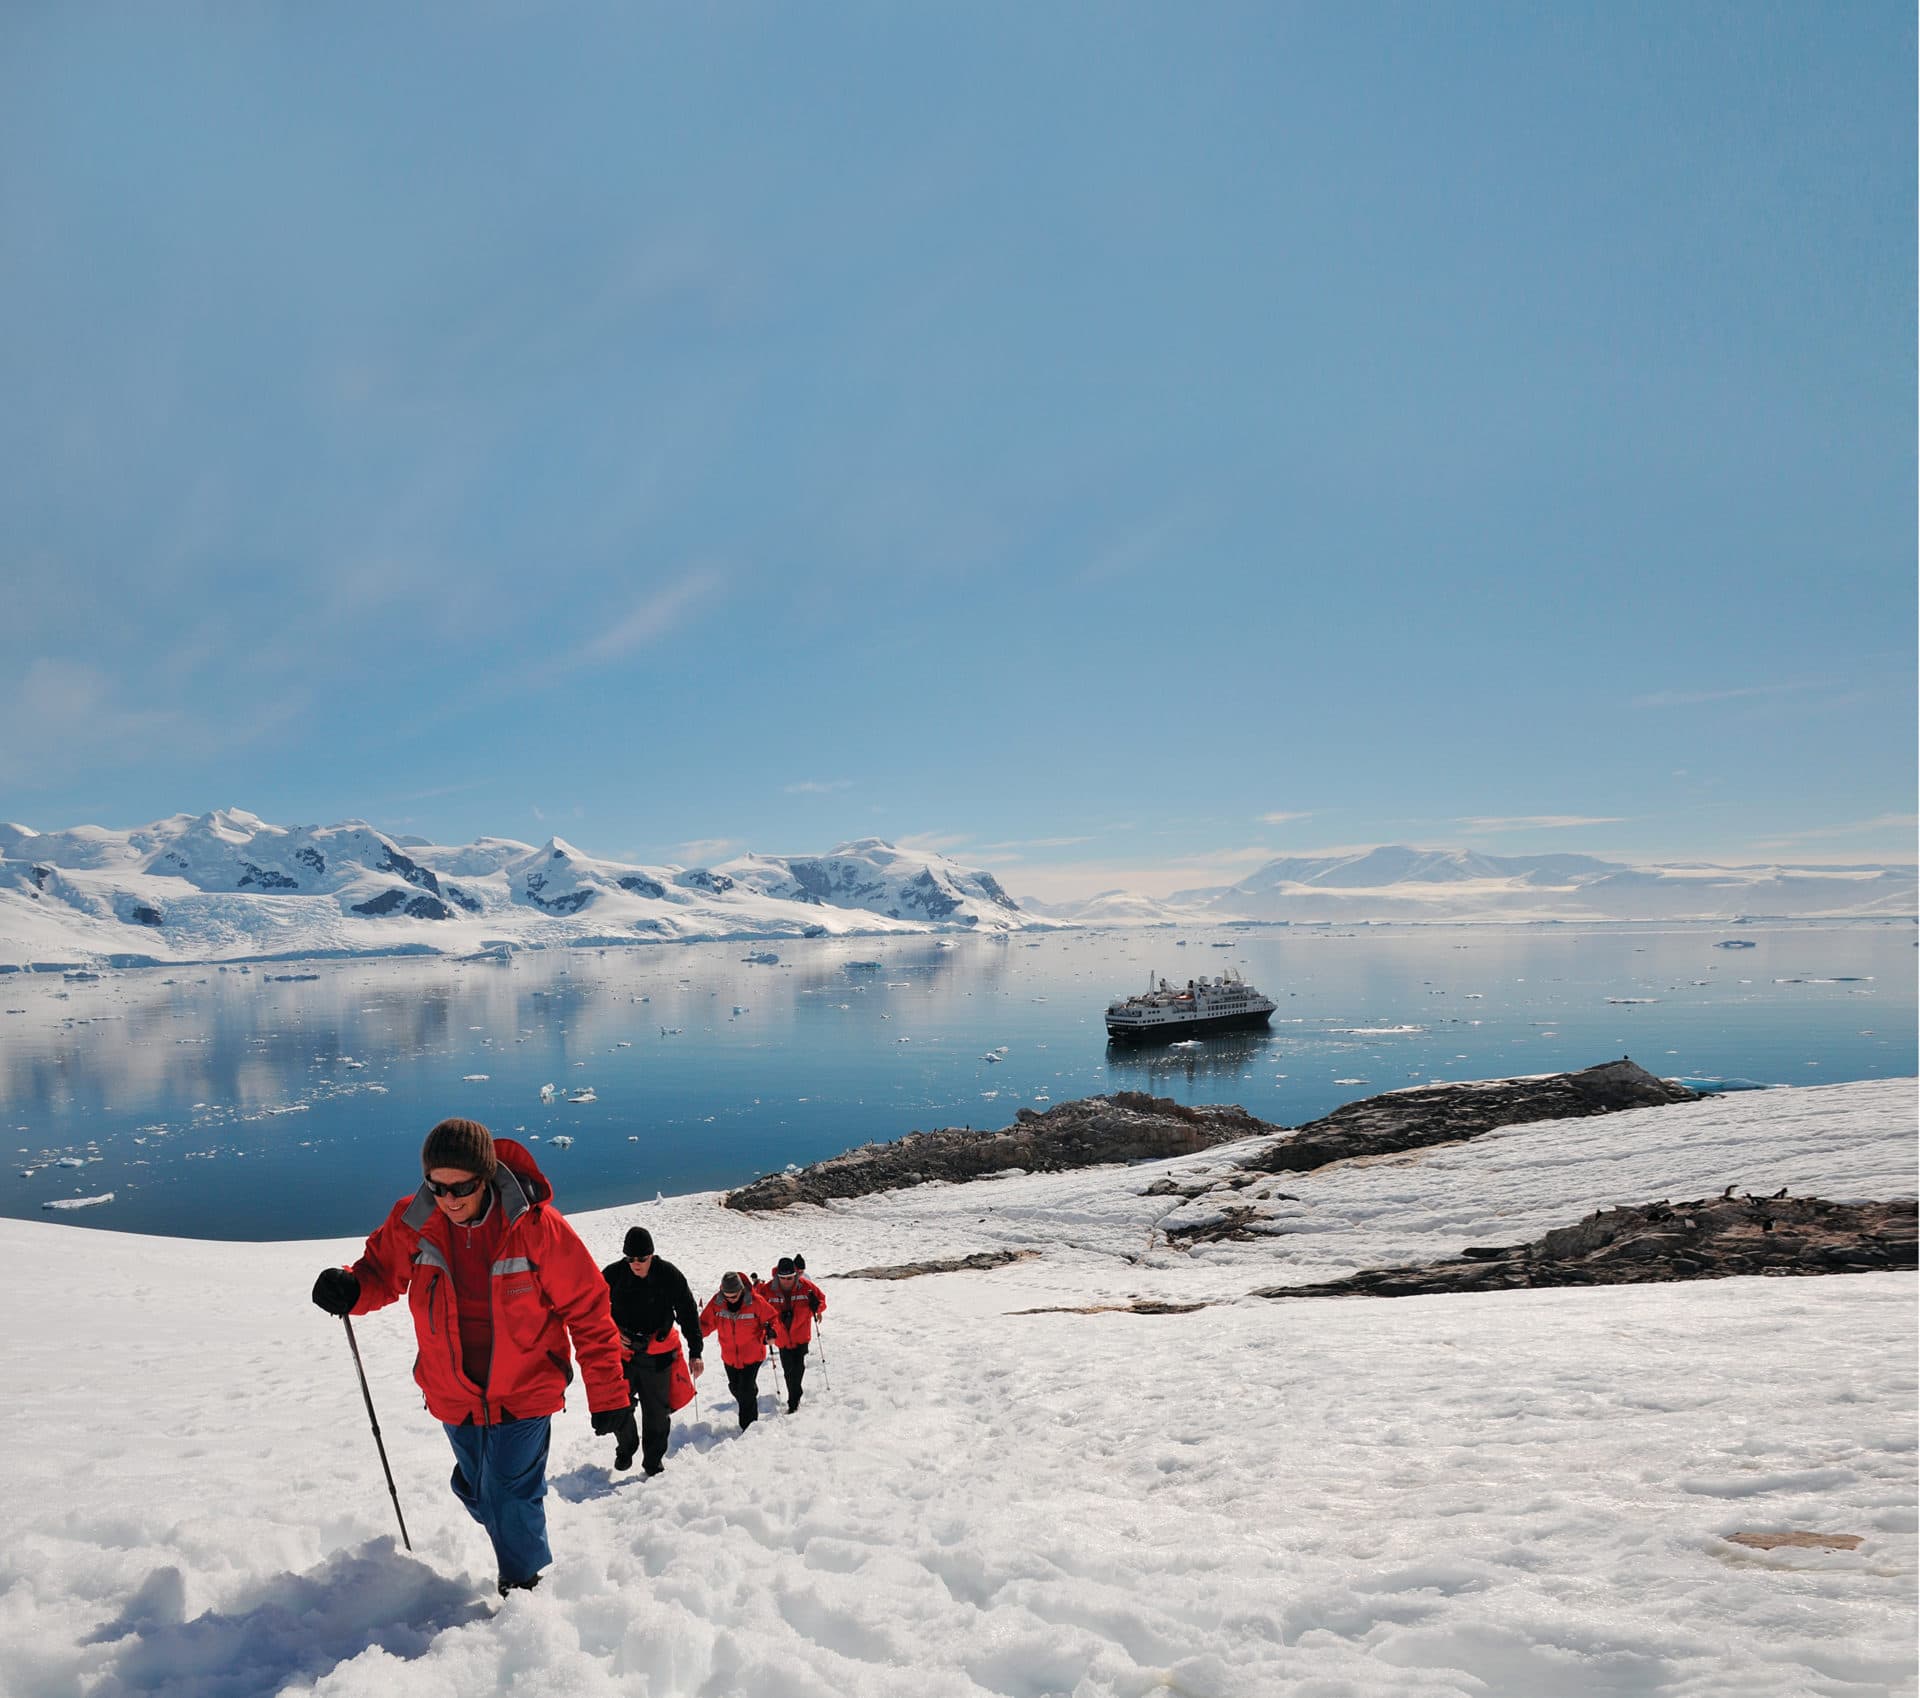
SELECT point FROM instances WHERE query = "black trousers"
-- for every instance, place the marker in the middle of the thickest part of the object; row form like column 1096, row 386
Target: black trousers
column 648, row 1377
column 744, row 1383
column 793, row 1364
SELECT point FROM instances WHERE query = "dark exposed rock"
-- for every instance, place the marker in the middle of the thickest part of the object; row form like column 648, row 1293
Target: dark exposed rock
column 470, row 903
column 41, row 875
column 1711, row 1238
column 312, row 858
column 421, row 878
column 1141, row 1306
column 397, row 901
column 1446, row 1114
column 571, row 903
column 264, row 878
column 641, row 885
column 980, row 1260
column 1126, row 1126
column 144, row 914
column 699, row 878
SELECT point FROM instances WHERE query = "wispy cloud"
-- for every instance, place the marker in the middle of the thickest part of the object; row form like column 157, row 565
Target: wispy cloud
column 1282, row 818
column 1852, row 828
column 939, row 842
column 1694, row 698
column 651, row 618
column 1535, row 822
column 703, row 849
column 814, row 787
column 1038, row 843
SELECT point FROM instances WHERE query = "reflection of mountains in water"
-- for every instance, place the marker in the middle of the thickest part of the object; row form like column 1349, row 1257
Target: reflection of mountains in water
column 1225, row 1055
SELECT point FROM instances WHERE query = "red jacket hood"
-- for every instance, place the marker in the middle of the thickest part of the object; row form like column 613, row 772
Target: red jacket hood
column 510, row 1153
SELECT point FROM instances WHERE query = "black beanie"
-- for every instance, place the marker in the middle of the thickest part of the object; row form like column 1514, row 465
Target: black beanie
column 462, row 1144
column 783, row 1266
column 639, row 1242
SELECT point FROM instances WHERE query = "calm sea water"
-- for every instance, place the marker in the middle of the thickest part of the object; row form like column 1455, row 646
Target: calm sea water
column 242, row 1104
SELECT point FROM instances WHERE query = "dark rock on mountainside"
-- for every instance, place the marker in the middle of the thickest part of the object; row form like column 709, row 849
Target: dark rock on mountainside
column 1446, row 1114
column 1127, row 1126
column 398, row 901
column 1711, row 1238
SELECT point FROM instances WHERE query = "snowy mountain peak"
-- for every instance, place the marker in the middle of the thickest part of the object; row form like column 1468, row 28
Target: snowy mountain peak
column 228, row 883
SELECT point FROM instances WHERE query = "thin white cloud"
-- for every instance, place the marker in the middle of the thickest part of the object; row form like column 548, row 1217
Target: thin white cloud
column 1282, row 818
column 652, row 618
column 1039, row 843
column 938, row 842
column 1853, row 828
column 814, row 787
column 1694, row 698
column 1536, row 822
column 702, row 849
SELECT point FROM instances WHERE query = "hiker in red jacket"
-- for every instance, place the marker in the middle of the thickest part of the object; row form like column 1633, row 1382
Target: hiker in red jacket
column 795, row 1301
column 743, row 1319
column 500, row 1286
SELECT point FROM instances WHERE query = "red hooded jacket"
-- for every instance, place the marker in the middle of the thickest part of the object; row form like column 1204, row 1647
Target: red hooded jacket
column 743, row 1331
column 794, row 1306
column 546, row 1291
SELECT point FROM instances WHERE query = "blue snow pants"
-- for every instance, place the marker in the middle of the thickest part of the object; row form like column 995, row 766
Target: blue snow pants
column 501, row 1476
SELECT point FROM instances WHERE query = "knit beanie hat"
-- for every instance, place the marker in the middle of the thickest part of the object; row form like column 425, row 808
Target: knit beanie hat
column 783, row 1268
column 731, row 1285
column 639, row 1243
column 462, row 1144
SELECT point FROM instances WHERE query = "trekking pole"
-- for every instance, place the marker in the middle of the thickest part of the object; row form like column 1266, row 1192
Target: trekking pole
column 820, row 1327
column 374, row 1420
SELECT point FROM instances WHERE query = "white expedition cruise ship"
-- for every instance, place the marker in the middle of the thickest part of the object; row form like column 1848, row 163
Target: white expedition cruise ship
column 1205, row 1005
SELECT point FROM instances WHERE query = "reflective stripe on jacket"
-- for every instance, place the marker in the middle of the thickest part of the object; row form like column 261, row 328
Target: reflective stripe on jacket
column 794, row 1307
column 743, row 1331
column 546, row 1294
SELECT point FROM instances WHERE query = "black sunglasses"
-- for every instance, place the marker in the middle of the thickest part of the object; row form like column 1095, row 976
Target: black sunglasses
column 459, row 1188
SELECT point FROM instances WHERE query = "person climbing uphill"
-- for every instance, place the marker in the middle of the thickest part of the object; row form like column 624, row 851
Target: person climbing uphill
column 649, row 1295
column 744, row 1320
column 500, row 1287
column 795, row 1301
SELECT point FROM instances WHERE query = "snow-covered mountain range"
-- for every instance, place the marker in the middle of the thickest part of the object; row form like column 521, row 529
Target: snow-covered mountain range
column 1395, row 882
column 229, row 885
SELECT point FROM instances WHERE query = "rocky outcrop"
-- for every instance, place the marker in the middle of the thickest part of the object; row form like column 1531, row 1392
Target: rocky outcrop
column 1446, row 1114
column 1647, row 1243
column 978, row 1262
column 1126, row 1126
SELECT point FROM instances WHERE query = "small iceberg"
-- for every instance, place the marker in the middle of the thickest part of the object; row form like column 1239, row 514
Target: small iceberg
column 547, row 1093
column 586, row 1094
column 561, row 1141
column 79, row 1202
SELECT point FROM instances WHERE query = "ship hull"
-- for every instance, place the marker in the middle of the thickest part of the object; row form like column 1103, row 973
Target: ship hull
column 1172, row 1031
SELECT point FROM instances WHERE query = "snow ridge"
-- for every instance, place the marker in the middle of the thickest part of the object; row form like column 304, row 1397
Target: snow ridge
column 228, row 885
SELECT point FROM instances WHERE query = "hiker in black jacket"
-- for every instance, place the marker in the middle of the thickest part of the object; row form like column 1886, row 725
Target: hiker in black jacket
column 648, row 1295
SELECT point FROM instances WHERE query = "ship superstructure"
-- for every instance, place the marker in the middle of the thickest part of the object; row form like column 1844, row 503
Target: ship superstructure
column 1203, row 1005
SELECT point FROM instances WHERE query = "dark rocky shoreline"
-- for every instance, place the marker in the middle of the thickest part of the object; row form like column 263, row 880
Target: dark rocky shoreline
column 1130, row 1126
column 1649, row 1243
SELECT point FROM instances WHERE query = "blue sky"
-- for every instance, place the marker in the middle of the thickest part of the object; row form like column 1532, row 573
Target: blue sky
column 1115, row 443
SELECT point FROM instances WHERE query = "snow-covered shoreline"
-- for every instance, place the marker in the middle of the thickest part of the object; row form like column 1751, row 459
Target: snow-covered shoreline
column 1522, row 1494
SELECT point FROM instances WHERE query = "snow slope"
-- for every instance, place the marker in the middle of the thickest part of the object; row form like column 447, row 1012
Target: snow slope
column 228, row 885
column 1522, row 1494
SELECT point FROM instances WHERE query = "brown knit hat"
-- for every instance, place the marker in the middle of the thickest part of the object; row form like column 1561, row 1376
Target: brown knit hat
column 464, row 1144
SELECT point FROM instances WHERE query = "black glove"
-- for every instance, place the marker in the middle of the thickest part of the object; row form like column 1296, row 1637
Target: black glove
column 618, row 1422
column 813, row 1303
column 336, row 1291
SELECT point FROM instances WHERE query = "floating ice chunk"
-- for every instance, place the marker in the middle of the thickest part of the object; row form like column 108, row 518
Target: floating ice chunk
column 548, row 1093
column 474, row 1078
column 561, row 1141
column 78, row 1202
